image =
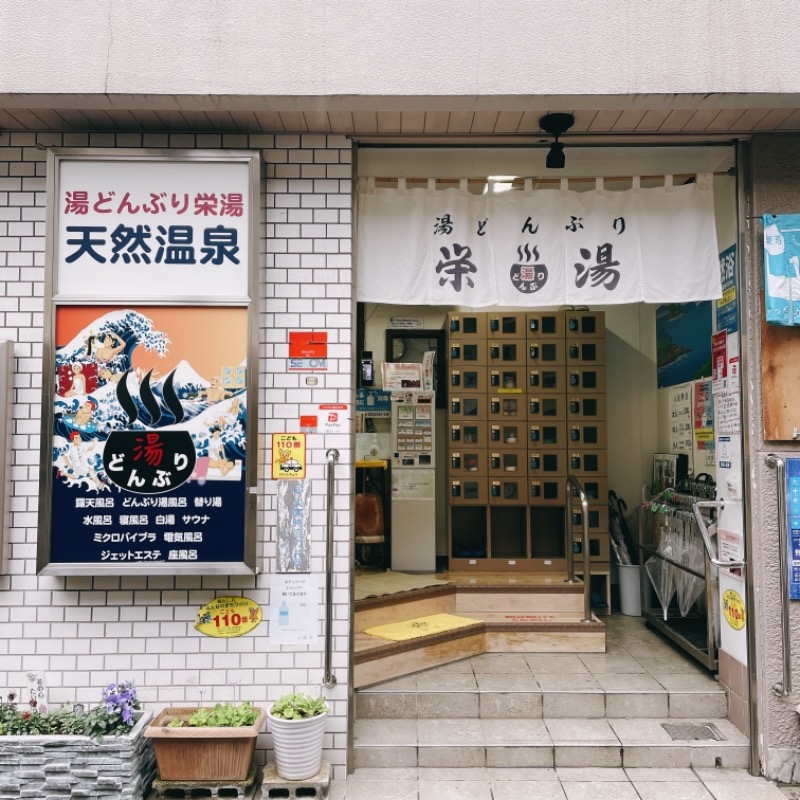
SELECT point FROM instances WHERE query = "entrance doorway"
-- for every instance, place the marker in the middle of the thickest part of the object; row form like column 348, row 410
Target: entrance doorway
column 654, row 368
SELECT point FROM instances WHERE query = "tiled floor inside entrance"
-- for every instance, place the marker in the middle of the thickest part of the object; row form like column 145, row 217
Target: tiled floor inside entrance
column 620, row 699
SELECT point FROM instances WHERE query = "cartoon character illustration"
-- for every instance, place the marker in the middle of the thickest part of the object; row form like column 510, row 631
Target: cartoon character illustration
column 215, row 392
column 83, row 416
column 231, row 417
column 78, row 385
column 77, row 463
column 288, row 464
column 107, row 376
column 107, row 349
column 216, row 453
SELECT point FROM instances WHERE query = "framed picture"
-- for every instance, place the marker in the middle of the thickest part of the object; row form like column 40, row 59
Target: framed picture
column 669, row 469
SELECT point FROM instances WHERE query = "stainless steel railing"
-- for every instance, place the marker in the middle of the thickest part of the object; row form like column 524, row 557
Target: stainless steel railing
column 779, row 465
column 329, row 679
column 713, row 555
column 574, row 483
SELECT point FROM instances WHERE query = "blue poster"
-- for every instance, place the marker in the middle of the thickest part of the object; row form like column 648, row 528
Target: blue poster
column 793, row 512
column 683, row 342
column 728, row 304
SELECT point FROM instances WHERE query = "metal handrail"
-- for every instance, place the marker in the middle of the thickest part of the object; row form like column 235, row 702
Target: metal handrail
column 574, row 483
column 710, row 549
column 779, row 465
column 329, row 679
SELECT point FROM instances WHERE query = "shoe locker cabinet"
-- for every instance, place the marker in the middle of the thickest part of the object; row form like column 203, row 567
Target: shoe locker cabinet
column 526, row 407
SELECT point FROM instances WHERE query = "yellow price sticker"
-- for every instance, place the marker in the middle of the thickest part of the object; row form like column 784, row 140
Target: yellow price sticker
column 228, row 617
column 733, row 609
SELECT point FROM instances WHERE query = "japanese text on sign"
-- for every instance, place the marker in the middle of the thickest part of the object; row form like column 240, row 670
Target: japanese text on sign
column 163, row 225
column 288, row 455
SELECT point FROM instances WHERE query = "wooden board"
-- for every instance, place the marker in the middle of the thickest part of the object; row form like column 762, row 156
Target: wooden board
column 780, row 381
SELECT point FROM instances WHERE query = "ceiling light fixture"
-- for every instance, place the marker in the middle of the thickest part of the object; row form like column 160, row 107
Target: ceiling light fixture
column 555, row 125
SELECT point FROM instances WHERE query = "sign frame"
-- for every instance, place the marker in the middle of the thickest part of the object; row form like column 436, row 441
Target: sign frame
column 244, row 169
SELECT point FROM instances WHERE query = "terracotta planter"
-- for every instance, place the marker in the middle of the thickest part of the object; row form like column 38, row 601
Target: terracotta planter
column 202, row 754
column 298, row 746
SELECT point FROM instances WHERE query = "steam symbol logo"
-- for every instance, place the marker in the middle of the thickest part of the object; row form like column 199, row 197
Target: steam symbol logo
column 149, row 400
column 528, row 276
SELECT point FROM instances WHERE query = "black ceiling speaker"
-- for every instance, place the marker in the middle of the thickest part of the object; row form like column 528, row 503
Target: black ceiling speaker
column 555, row 125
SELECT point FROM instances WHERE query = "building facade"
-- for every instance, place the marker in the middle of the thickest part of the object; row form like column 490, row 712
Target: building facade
column 306, row 90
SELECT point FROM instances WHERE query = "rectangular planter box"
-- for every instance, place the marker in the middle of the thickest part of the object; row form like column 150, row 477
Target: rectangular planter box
column 202, row 754
column 78, row 766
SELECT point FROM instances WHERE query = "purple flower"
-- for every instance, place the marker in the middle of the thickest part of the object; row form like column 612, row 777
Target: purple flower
column 121, row 699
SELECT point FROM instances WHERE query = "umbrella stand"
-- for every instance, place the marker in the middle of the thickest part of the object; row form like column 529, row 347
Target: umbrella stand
column 682, row 577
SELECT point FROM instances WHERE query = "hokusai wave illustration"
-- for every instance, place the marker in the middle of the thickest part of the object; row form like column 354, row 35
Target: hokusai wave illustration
column 99, row 394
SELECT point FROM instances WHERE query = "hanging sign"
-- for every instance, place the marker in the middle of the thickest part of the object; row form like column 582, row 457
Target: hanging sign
column 782, row 268
column 144, row 451
column 727, row 307
column 228, row 617
column 537, row 248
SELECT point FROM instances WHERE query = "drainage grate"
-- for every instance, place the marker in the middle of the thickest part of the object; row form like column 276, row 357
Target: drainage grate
column 692, row 731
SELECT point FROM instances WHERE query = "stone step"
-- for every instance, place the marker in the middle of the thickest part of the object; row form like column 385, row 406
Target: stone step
column 520, row 741
column 460, row 690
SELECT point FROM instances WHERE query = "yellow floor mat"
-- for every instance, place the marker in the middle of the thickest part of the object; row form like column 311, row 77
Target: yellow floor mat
column 421, row 626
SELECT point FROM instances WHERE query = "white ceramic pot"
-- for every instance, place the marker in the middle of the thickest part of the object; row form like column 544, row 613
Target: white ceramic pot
column 298, row 745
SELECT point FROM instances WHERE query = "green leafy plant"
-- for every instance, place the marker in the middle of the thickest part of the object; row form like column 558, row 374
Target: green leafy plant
column 114, row 717
column 298, row 706
column 223, row 715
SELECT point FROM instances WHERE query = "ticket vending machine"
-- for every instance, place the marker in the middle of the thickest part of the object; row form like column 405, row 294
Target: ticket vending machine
column 413, row 481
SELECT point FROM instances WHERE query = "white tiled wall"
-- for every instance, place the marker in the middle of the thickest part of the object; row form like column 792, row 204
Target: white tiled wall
column 83, row 632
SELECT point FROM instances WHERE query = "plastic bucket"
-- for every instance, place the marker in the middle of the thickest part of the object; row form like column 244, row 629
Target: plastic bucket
column 630, row 589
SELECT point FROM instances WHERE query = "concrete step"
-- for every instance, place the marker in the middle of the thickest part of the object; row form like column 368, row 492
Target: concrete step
column 520, row 741
column 543, row 685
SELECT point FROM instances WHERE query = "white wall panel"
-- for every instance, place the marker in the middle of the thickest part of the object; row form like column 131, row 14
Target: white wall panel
column 403, row 47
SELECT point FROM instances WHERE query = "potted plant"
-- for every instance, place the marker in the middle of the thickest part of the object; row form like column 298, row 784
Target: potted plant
column 297, row 723
column 206, row 744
